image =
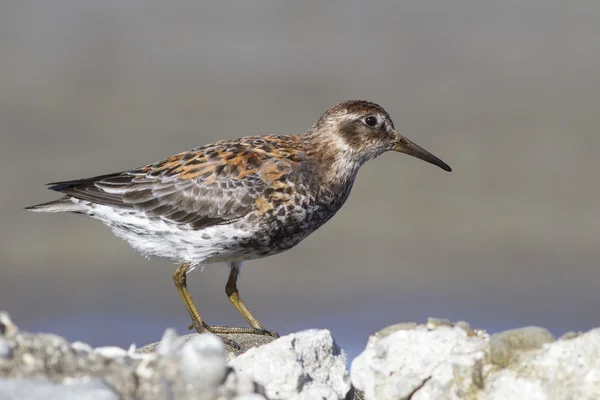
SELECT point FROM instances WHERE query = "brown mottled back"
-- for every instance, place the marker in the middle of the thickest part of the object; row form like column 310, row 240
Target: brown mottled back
column 208, row 185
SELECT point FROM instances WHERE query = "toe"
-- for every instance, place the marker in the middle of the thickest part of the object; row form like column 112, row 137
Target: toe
column 230, row 342
column 270, row 333
column 198, row 327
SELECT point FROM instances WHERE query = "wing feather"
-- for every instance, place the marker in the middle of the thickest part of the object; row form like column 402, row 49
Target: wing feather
column 203, row 187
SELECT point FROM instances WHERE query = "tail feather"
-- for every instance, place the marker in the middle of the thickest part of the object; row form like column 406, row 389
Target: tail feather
column 78, row 192
column 64, row 204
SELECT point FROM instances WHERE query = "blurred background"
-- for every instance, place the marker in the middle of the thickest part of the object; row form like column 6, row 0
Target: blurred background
column 506, row 92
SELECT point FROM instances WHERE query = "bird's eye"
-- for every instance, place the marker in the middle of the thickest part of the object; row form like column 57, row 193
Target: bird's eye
column 370, row 121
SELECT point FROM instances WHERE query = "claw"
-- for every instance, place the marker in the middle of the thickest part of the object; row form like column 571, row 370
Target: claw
column 203, row 328
column 270, row 333
column 230, row 342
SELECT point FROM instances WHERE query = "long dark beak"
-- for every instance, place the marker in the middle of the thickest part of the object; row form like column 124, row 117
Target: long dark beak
column 403, row 145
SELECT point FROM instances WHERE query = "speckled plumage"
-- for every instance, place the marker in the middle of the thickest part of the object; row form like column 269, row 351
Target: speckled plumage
column 239, row 199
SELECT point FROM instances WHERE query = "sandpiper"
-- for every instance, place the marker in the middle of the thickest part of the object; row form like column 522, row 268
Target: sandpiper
column 238, row 199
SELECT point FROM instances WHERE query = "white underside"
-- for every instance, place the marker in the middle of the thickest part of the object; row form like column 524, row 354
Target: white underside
column 156, row 238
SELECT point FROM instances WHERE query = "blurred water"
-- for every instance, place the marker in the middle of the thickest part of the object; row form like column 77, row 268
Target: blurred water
column 506, row 92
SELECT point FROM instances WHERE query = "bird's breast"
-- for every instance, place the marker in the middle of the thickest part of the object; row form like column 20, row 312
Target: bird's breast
column 280, row 223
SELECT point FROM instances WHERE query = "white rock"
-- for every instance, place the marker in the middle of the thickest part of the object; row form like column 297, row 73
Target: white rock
column 82, row 347
column 39, row 389
column 7, row 327
column 193, row 369
column 438, row 363
column 565, row 369
column 169, row 343
column 452, row 362
column 202, row 361
column 250, row 396
column 304, row 365
column 6, row 350
column 240, row 384
column 110, row 351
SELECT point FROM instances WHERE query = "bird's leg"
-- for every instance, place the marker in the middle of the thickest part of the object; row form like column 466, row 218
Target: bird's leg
column 180, row 279
column 234, row 296
column 198, row 323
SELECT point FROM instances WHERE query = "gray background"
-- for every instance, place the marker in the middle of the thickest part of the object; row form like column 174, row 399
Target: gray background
column 506, row 92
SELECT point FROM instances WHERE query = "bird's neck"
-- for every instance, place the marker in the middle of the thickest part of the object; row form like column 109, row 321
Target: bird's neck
column 339, row 163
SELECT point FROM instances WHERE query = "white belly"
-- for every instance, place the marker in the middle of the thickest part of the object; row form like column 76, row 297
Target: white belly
column 154, row 237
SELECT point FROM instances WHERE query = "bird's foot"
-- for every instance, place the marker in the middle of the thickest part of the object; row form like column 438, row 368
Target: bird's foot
column 269, row 333
column 202, row 327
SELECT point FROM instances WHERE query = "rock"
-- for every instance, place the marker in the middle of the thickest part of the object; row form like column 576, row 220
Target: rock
column 435, row 360
column 304, row 365
column 47, row 366
column 245, row 342
column 202, row 361
column 507, row 346
column 301, row 351
column 7, row 327
column 565, row 369
column 6, row 350
column 445, row 361
column 89, row 389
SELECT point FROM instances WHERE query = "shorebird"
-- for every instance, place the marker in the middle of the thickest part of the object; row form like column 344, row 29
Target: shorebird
column 238, row 199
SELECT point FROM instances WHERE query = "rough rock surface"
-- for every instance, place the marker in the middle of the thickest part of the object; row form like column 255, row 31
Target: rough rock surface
column 440, row 360
column 437, row 360
column 404, row 361
column 305, row 365
column 244, row 341
column 45, row 366
column 34, row 388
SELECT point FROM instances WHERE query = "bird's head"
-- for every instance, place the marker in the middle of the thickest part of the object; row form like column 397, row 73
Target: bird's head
column 364, row 130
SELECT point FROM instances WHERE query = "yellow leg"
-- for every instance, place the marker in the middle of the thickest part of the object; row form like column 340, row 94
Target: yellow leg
column 180, row 279
column 234, row 296
column 198, row 323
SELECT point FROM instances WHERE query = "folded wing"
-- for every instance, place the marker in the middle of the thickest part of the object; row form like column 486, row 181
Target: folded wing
column 203, row 187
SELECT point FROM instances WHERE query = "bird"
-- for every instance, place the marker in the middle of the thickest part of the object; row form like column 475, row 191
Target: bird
column 238, row 199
